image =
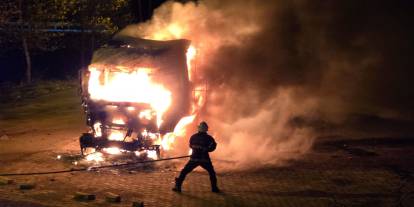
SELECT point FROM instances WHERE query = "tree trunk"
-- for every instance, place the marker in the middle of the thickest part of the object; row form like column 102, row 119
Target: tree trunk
column 140, row 11
column 25, row 47
column 28, row 60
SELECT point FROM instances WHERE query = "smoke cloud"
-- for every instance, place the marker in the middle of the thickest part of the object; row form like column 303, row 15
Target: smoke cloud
column 281, row 73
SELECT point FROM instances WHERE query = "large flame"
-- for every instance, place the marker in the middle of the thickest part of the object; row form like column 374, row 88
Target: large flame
column 114, row 84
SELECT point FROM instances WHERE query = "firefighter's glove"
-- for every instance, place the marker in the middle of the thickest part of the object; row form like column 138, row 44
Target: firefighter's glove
column 212, row 147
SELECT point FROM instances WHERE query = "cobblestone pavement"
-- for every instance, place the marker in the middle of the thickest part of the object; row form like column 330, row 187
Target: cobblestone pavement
column 330, row 175
column 336, row 172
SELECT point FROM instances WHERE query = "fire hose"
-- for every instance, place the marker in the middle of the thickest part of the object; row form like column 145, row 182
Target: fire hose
column 92, row 168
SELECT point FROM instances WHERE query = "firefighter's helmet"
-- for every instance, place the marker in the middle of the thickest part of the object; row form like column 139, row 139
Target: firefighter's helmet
column 203, row 127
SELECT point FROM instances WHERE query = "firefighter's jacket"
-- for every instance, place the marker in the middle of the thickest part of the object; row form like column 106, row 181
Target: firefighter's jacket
column 201, row 143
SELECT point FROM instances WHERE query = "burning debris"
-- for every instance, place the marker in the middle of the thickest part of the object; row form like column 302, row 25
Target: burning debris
column 138, row 97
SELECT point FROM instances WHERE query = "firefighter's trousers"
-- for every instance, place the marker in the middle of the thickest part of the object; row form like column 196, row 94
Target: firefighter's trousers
column 207, row 165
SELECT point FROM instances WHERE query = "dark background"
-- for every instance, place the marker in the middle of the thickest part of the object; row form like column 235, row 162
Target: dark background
column 70, row 51
column 357, row 52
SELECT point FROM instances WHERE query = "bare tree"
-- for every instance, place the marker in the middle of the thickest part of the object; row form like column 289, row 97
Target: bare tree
column 29, row 24
column 25, row 46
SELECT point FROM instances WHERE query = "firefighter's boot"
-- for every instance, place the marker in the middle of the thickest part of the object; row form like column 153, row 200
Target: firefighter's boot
column 213, row 181
column 177, row 187
column 215, row 189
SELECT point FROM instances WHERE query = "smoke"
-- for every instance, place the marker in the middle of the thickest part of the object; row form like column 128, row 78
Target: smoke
column 277, row 69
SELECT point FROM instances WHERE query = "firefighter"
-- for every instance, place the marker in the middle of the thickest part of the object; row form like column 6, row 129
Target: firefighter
column 201, row 144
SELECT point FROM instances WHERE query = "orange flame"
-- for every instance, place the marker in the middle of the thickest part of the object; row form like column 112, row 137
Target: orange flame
column 190, row 55
column 115, row 84
column 179, row 131
column 108, row 85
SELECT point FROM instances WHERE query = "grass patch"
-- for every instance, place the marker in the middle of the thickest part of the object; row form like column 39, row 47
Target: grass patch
column 39, row 103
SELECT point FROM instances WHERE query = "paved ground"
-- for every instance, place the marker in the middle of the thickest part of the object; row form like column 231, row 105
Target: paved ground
column 338, row 171
column 330, row 175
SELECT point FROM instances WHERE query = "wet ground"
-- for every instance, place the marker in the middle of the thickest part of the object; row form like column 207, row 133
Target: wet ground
column 338, row 171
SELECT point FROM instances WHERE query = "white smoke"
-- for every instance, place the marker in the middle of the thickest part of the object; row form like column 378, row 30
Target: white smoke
column 262, row 137
column 251, row 129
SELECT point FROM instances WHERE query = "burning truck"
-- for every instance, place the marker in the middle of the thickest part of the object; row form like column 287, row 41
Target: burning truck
column 137, row 95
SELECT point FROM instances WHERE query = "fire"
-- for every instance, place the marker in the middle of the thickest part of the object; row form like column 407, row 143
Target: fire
column 152, row 154
column 115, row 86
column 146, row 114
column 116, row 135
column 118, row 121
column 97, row 128
column 96, row 156
column 179, row 131
column 119, row 84
column 168, row 139
column 112, row 150
column 190, row 55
